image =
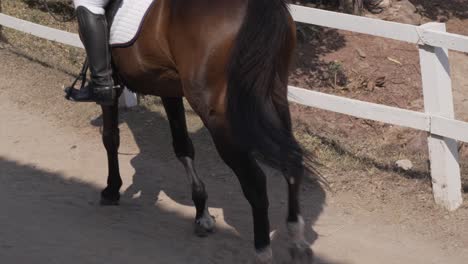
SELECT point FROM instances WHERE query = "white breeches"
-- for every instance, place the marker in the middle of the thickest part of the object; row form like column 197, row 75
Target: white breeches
column 95, row 6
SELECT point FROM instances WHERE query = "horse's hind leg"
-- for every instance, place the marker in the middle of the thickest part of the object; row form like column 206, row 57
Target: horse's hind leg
column 253, row 184
column 183, row 148
column 300, row 248
column 111, row 138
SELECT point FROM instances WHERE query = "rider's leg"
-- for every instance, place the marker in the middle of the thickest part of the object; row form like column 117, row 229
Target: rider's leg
column 95, row 36
column 95, row 6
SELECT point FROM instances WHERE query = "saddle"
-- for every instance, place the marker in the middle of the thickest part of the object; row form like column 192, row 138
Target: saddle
column 125, row 19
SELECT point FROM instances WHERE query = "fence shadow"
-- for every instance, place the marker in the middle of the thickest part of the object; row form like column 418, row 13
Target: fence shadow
column 436, row 8
column 309, row 68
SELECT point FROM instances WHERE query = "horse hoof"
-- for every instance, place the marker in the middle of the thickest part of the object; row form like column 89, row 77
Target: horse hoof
column 204, row 226
column 264, row 256
column 301, row 253
column 109, row 198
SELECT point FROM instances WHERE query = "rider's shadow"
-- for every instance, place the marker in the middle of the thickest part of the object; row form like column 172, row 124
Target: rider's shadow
column 157, row 170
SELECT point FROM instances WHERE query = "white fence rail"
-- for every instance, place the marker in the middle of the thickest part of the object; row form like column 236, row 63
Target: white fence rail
column 438, row 118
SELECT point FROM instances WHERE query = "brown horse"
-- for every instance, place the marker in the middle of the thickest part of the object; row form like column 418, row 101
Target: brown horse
column 230, row 59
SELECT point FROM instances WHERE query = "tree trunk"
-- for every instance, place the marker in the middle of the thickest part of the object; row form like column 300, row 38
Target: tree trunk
column 352, row 6
column 377, row 6
column 357, row 7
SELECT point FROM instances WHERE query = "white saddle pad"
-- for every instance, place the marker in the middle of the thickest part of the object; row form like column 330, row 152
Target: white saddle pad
column 127, row 21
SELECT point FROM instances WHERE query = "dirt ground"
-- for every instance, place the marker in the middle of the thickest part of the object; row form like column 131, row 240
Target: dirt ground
column 53, row 165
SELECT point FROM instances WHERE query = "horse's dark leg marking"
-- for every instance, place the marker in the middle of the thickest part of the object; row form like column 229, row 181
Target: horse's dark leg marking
column 184, row 150
column 294, row 219
column 293, row 173
column 111, row 138
column 300, row 248
column 253, row 183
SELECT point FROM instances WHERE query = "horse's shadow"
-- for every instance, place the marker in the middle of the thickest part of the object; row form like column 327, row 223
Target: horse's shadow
column 157, row 170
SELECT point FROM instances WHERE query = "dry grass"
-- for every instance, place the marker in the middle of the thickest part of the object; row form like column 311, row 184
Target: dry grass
column 55, row 55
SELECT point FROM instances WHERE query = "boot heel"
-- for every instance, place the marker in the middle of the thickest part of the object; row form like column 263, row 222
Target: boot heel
column 105, row 96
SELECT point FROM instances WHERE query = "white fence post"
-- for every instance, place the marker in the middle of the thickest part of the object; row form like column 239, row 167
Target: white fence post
column 438, row 101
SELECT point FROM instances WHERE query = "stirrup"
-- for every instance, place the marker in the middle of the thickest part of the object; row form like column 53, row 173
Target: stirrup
column 83, row 82
column 80, row 78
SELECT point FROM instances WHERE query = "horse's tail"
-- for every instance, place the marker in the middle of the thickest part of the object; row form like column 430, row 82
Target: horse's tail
column 257, row 107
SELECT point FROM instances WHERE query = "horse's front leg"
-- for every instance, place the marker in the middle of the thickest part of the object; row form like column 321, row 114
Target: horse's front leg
column 183, row 148
column 111, row 138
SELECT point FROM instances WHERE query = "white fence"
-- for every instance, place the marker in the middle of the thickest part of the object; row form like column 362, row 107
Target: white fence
column 438, row 118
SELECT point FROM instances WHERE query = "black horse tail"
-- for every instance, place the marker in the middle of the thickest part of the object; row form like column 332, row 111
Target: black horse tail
column 257, row 106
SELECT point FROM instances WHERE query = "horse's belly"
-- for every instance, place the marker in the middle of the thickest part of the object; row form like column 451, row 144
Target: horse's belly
column 161, row 83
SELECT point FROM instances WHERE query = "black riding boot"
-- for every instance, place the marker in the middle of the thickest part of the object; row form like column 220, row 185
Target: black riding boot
column 95, row 36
